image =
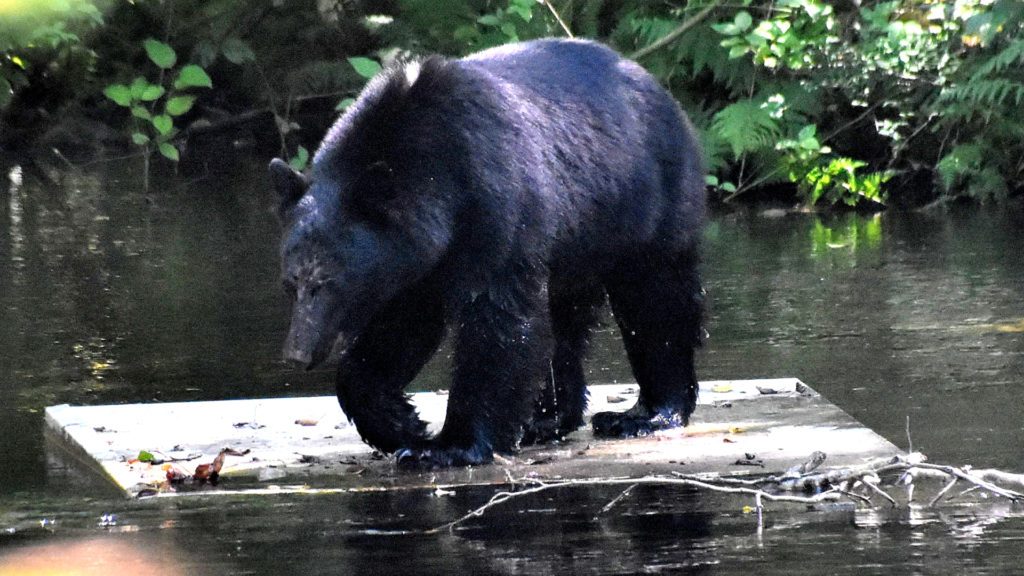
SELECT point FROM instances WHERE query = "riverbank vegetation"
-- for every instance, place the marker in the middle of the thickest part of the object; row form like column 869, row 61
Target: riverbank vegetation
column 853, row 103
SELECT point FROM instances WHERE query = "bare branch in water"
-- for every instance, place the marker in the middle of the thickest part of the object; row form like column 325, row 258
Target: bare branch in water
column 823, row 486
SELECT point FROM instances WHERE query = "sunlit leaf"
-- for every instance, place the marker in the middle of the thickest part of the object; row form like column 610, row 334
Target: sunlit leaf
column 151, row 92
column 163, row 124
column 179, row 105
column 119, row 93
column 743, row 20
column 489, row 20
column 301, row 158
column 161, row 54
column 169, row 151
column 365, row 67
column 192, row 76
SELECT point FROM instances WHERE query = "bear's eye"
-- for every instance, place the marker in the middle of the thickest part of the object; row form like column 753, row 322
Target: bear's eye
column 372, row 212
column 373, row 195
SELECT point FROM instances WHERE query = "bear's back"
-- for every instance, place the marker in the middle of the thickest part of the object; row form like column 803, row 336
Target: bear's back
column 562, row 70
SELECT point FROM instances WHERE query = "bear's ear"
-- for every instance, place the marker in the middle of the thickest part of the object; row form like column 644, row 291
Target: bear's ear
column 289, row 183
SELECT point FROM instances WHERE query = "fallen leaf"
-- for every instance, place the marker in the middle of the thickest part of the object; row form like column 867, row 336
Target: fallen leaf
column 615, row 399
column 724, row 387
column 210, row 472
column 307, row 422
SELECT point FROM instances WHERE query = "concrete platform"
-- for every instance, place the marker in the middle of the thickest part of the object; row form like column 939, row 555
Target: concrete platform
column 307, row 445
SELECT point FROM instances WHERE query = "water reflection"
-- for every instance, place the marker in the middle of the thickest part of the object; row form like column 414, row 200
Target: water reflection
column 108, row 297
column 95, row 556
column 15, row 214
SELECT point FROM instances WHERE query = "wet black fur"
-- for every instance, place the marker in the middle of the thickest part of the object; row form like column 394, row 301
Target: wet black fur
column 504, row 196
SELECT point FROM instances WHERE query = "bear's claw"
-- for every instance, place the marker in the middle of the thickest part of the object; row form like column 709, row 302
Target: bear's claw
column 630, row 424
column 438, row 457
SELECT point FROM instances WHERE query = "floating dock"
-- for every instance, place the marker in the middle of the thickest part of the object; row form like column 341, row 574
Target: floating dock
column 306, row 444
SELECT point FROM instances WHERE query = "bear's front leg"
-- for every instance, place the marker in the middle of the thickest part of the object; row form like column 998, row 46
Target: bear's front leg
column 380, row 363
column 497, row 368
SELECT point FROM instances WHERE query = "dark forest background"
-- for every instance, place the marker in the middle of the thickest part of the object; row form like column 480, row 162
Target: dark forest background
column 852, row 103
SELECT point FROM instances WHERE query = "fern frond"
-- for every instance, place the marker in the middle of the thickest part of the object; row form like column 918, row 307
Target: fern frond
column 961, row 161
column 1012, row 55
column 985, row 92
column 745, row 126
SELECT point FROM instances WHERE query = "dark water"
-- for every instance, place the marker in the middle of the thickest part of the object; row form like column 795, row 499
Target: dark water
column 109, row 295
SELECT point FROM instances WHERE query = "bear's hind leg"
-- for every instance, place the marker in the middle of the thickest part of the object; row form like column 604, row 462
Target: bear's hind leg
column 658, row 305
column 575, row 305
column 380, row 363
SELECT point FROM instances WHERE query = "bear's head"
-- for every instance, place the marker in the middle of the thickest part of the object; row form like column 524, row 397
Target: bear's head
column 352, row 239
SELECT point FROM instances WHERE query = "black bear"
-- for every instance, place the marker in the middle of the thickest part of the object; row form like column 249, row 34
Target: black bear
column 505, row 195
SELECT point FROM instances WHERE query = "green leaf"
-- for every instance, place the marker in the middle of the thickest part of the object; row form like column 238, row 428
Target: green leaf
column 345, row 103
column 119, row 93
column 151, row 92
column 141, row 89
column 163, row 124
column 524, row 8
column 742, row 21
column 365, row 67
column 138, row 86
column 806, row 132
column 140, row 112
column 179, row 105
column 140, row 139
column 301, row 158
column 737, row 52
column 237, row 51
column 169, row 151
column 726, row 28
column 145, row 456
column 192, row 75
column 489, row 20
column 161, row 54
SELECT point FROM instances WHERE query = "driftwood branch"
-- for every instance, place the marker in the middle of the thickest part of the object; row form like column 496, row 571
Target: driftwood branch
column 800, row 484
